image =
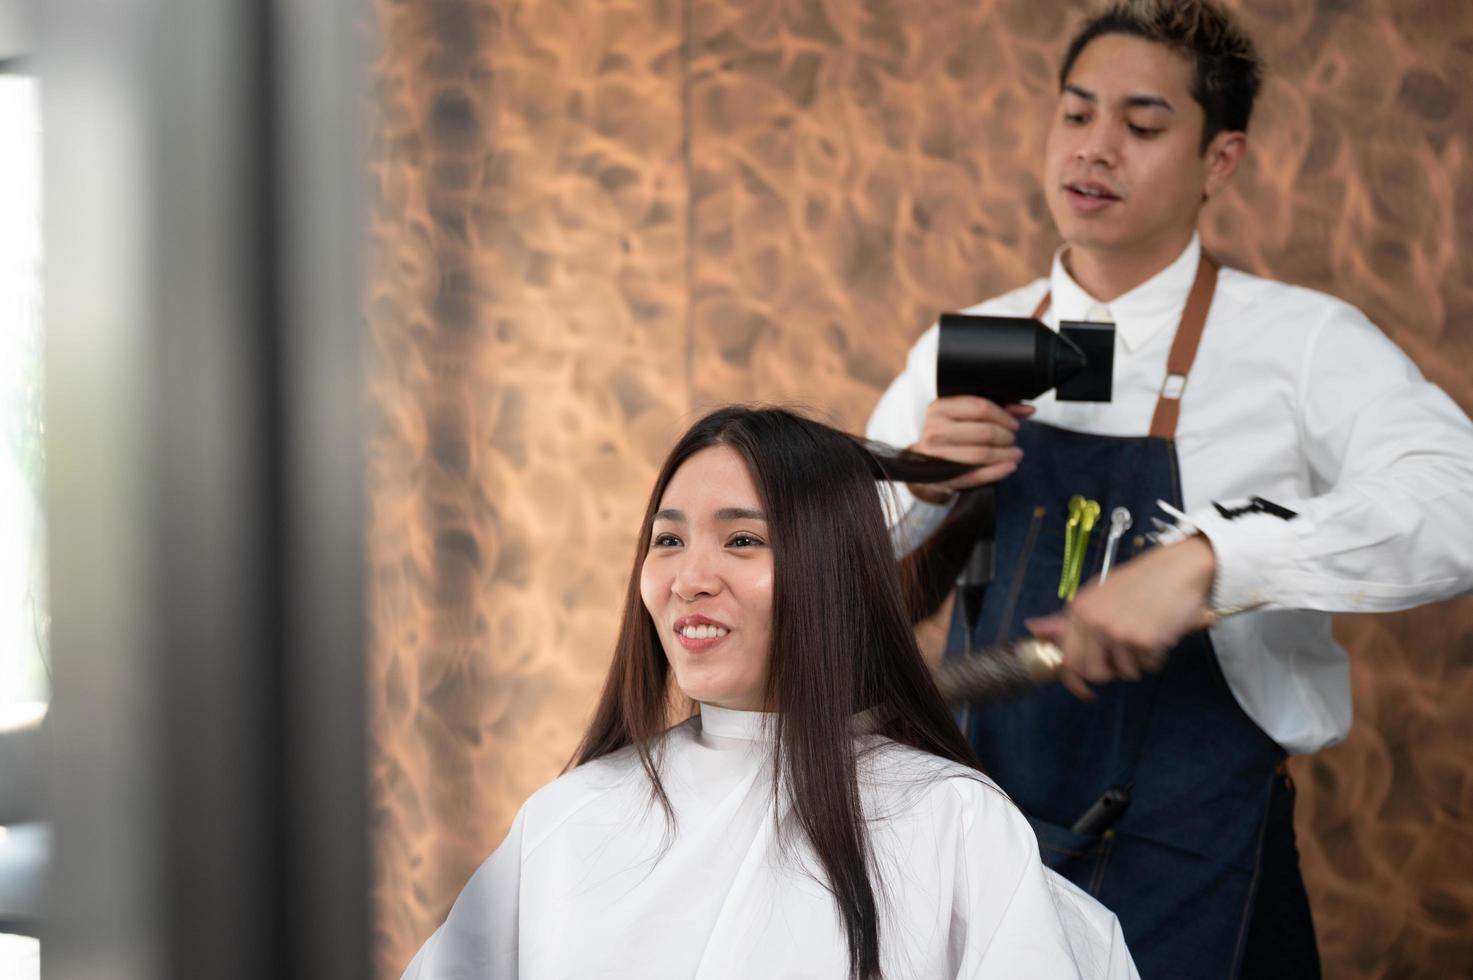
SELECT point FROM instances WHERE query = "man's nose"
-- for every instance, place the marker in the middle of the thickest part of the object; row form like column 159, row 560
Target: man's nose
column 1099, row 143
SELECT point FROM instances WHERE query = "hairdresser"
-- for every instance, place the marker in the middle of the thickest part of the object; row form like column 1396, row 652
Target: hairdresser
column 1313, row 470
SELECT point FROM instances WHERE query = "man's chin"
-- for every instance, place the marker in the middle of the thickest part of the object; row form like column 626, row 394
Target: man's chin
column 1091, row 236
column 1100, row 230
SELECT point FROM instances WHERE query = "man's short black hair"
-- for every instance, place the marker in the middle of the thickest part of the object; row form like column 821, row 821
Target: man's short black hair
column 1226, row 73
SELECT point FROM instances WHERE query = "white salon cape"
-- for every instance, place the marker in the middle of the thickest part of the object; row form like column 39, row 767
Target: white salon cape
column 592, row 881
column 1294, row 397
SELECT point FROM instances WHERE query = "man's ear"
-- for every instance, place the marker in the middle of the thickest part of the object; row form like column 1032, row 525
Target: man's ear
column 1222, row 157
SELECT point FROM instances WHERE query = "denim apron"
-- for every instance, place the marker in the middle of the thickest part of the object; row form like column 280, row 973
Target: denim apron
column 1184, row 864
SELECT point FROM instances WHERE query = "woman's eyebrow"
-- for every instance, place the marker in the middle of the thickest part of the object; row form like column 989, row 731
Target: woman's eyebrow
column 724, row 514
column 740, row 514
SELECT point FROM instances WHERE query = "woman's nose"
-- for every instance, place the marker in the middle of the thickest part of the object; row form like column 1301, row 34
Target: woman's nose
column 696, row 575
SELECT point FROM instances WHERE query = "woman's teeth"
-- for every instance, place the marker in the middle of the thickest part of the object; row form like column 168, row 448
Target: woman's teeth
column 702, row 632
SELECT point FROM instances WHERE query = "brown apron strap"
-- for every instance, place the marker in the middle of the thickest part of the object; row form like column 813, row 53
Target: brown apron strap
column 1183, row 347
column 1043, row 305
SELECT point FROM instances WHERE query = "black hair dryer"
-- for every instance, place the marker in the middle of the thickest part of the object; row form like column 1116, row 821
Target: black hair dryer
column 1006, row 360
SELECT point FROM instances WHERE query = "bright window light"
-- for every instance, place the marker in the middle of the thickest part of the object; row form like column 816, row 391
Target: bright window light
column 24, row 621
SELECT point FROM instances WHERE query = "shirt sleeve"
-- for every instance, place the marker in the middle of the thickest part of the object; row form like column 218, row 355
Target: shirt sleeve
column 1390, row 458
column 897, row 421
column 479, row 938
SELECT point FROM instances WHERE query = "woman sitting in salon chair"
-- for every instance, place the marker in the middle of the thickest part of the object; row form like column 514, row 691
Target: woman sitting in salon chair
column 813, row 811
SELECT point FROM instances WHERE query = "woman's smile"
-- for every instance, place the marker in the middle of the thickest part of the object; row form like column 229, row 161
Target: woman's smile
column 697, row 633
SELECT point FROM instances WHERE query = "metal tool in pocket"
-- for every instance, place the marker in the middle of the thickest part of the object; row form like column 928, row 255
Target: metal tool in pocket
column 1104, row 812
column 1119, row 523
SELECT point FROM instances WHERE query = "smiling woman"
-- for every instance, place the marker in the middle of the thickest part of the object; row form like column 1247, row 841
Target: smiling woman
column 818, row 813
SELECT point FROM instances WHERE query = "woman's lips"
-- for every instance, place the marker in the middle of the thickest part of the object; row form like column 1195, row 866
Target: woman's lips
column 698, row 644
column 697, row 633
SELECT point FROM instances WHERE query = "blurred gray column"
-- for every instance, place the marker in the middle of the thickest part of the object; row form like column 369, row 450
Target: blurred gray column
column 17, row 30
column 207, row 778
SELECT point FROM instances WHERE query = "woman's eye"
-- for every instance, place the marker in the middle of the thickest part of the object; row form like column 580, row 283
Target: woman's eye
column 666, row 540
column 1074, row 118
column 745, row 541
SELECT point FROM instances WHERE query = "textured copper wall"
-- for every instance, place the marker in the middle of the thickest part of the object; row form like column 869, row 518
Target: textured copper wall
column 593, row 219
column 529, row 320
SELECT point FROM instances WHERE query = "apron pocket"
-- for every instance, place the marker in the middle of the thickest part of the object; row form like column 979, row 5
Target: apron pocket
column 1184, row 916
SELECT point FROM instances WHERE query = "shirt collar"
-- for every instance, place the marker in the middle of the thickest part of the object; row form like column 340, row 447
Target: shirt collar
column 1138, row 314
column 760, row 725
column 748, row 725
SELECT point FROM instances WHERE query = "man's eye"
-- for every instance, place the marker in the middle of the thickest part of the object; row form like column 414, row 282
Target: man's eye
column 1074, row 118
column 1145, row 132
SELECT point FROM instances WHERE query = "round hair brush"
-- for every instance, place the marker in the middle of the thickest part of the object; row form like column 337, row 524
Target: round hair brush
column 999, row 673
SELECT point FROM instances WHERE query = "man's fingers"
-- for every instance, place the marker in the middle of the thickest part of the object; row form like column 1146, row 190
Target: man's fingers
column 1084, row 653
column 1113, row 654
column 984, row 475
column 1075, row 684
column 970, row 408
column 1152, row 661
column 1059, row 630
column 1126, row 662
column 1051, row 628
column 1099, row 642
column 979, row 455
column 1093, row 664
column 966, row 433
column 987, row 463
column 974, row 431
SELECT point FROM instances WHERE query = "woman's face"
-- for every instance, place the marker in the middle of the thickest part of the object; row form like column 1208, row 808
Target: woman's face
column 707, row 581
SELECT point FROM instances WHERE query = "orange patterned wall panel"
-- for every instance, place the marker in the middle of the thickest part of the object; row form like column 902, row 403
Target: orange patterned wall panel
column 591, row 220
column 857, row 169
column 528, row 313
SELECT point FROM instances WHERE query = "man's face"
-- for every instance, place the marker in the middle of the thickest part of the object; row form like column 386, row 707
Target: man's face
column 1123, row 172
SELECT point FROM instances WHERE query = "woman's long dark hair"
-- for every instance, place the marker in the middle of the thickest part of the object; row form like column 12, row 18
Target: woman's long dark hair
column 842, row 639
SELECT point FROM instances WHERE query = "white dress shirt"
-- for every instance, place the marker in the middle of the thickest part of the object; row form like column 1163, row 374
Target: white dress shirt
column 592, row 882
column 1294, row 397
